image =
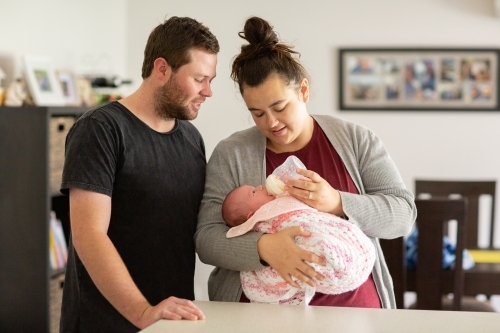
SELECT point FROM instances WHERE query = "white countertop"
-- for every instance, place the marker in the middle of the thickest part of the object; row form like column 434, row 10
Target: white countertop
column 255, row 318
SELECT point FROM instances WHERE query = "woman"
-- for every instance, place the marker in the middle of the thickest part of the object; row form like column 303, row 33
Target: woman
column 350, row 175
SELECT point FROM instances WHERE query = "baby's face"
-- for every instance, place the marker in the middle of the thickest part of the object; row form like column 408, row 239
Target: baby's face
column 254, row 197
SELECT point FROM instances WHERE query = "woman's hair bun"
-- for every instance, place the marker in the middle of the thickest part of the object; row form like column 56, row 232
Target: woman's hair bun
column 259, row 32
column 264, row 55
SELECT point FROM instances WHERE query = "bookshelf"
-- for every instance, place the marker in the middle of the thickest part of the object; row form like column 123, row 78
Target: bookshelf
column 30, row 138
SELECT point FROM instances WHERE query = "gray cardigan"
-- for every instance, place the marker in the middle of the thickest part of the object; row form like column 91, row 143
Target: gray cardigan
column 383, row 209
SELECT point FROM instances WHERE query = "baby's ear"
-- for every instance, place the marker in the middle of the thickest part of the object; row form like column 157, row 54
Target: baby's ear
column 249, row 215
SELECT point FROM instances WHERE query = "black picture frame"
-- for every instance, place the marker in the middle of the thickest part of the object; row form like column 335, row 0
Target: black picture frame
column 452, row 79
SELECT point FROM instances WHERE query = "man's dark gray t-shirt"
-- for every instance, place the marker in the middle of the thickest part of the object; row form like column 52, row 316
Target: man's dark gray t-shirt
column 156, row 182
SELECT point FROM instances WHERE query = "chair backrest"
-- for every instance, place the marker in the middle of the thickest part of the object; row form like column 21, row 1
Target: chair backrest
column 432, row 217
column 471, row 190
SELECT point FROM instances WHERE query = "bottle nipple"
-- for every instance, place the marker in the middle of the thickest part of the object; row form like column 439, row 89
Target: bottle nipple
column 274, row 185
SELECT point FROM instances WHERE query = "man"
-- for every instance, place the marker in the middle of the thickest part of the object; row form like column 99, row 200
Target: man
column 135, row 174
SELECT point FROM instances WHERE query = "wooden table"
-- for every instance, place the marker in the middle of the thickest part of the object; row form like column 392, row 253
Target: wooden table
column 483, row 278
column 256, row 318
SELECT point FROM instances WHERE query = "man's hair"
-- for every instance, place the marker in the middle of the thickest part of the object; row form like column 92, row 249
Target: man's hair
column 173, row 39
column 231, row 212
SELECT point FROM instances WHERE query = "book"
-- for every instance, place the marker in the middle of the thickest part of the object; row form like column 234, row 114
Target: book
column 60, row 246
column 52, row 250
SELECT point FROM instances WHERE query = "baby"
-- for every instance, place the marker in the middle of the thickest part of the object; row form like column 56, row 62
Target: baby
column 349, row 253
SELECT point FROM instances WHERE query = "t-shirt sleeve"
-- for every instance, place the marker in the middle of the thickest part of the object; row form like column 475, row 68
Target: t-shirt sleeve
column 90, row 157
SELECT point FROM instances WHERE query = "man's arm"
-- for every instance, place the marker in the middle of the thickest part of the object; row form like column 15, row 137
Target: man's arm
column 90, row 214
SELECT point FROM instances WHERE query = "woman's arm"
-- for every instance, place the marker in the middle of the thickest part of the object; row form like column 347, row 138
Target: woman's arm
column 384, row 208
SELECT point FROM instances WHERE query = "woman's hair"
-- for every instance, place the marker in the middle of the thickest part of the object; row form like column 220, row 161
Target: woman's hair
column 173, row 39
column 264, row 55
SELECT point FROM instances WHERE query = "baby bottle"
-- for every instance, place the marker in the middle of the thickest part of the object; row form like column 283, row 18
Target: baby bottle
column 288, row 170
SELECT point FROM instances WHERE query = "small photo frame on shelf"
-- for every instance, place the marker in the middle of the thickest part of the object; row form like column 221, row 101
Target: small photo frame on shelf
column 419, row 79
column 68, row 86
column 86, row 96
column 42, row 81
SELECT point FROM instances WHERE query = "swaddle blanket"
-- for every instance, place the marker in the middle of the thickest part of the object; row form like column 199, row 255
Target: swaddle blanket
column 349, row 253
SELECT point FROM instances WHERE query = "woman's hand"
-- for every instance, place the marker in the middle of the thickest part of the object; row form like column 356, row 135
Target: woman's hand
column 315, row 191
column 281, row 253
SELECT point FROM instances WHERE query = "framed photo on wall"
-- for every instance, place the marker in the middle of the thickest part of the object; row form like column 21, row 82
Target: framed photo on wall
column 419, row 79
column 42, row 81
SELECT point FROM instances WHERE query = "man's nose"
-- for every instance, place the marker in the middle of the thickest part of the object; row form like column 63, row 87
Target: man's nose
column 207, row 90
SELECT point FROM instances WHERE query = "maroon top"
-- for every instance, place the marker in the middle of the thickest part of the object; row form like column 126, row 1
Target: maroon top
column 320, row 156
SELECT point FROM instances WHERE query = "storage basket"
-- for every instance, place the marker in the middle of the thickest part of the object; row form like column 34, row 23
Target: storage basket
column 56, row 290
column 59, row 128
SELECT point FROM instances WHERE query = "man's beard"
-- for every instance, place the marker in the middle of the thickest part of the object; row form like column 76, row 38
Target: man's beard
column 168, row 102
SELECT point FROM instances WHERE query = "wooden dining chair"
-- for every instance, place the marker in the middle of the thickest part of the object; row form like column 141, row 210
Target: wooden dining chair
column 433, row 217
column 472, row 190
column 430, row 281
column 484, row 276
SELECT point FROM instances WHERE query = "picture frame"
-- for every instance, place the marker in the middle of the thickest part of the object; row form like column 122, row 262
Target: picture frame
column 391, row 79
column 68, row 81
column 43, row 84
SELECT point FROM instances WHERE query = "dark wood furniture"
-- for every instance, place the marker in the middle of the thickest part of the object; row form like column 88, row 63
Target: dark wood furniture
column 430, row 281
column 471, row 190
column 433, row 217
column 394, row 253
column 26, row 199
column 483, row 278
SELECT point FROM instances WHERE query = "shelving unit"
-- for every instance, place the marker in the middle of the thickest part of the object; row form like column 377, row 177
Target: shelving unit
column 26, row 199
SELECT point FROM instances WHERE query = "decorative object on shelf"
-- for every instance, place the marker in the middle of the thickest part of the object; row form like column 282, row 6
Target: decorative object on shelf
column 86, row 96
column 16, row 94
column 106, row 88
column 2, row 89
column 108, row 81
column 419, row 79
column 42, row 81
column 103, row 98
column 68, row 85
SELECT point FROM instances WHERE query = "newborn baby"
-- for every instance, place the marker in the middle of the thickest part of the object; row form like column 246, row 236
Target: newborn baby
column 349, row 253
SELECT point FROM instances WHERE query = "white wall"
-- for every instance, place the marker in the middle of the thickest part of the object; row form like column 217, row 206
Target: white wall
column 423, row 144
column 87, row 37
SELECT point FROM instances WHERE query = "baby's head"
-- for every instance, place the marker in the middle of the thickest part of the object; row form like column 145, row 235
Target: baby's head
column 242, row 202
